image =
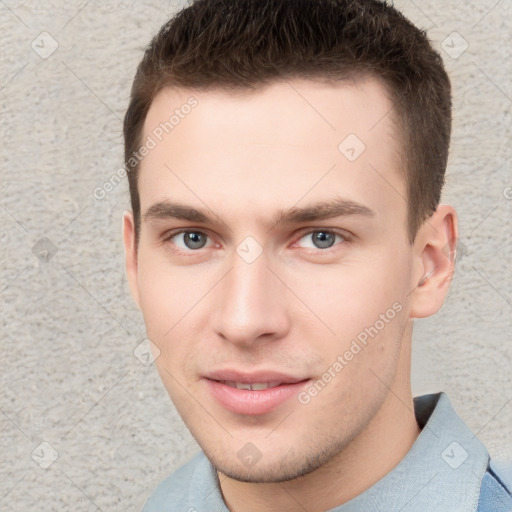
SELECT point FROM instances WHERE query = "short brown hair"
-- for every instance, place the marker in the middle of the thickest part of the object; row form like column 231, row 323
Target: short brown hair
column 243, row 44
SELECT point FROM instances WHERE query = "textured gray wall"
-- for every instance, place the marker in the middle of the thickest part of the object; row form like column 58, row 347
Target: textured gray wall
column 69, row 377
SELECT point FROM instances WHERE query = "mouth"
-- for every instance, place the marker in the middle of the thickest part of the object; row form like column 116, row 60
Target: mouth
column 253, row 394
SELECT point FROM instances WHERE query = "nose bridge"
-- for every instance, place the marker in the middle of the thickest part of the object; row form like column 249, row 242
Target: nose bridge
column 249, row 302
column 248, row 287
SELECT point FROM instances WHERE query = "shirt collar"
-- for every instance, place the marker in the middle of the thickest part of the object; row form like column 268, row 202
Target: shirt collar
column 443, row 470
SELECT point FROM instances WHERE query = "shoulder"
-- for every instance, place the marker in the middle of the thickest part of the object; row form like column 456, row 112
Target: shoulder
column 179, row 488
column 496, row 489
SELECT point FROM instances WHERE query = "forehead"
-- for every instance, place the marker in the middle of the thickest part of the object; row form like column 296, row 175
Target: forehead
column 360, row 106
column 289, row 141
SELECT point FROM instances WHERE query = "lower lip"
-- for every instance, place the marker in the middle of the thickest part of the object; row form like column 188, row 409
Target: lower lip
column 253, row 403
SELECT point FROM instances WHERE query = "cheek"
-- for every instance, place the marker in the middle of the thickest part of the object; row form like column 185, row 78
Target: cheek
column 167, row 293
column 364, row 306
column 362, row 361
column 166, row 302
column 349, row 298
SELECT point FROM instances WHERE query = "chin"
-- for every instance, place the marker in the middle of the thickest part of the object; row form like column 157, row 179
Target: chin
column 283, row 469
column 262, row 475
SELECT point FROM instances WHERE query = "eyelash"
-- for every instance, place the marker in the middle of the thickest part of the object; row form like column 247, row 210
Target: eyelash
column 342, row 234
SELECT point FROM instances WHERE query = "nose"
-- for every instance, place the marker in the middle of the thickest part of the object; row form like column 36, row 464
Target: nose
column 251, row 304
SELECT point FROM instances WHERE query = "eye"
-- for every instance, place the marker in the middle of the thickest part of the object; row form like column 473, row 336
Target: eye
column 320, row 239
column 188, row 240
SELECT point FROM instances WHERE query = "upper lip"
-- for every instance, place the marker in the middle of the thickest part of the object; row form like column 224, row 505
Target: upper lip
column 253, row 377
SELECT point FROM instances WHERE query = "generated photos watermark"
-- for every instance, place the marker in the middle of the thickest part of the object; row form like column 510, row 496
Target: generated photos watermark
column 358, row 343
column 150, row 143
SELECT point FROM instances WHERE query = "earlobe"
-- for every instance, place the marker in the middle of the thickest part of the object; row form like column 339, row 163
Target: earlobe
column 130, row 250
column 435, row 247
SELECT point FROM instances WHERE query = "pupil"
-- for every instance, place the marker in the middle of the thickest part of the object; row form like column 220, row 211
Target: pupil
column 194, row 240
column 323, row 239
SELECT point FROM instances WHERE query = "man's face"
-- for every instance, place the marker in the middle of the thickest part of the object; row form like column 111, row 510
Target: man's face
column 312, row 305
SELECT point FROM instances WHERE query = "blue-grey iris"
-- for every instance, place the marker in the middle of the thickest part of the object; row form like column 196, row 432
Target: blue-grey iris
column 323, row 239
column 194, row 240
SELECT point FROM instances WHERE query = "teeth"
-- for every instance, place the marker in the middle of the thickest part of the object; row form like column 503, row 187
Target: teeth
column 255, row 386
column 259, row 386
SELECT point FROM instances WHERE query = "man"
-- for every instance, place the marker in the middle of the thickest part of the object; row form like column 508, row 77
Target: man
column 286, row 160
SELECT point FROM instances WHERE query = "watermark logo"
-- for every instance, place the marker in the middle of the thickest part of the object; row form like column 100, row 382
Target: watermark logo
column 454, row 45
column 249, row 249
column 44, row 455
column 351, row 147
column 146, row 352
column 249, row 454
column 44, row 45
column 455, row 250
column 454, row 455
column 44, row 249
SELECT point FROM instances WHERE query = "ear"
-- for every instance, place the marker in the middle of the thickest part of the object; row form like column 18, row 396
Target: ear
column 130, row 251
column 435, row 248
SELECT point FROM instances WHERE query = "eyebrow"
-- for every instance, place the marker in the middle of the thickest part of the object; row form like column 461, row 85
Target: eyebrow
column 295, row 215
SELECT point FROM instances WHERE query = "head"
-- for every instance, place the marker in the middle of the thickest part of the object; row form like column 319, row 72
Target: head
column 281, row 224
